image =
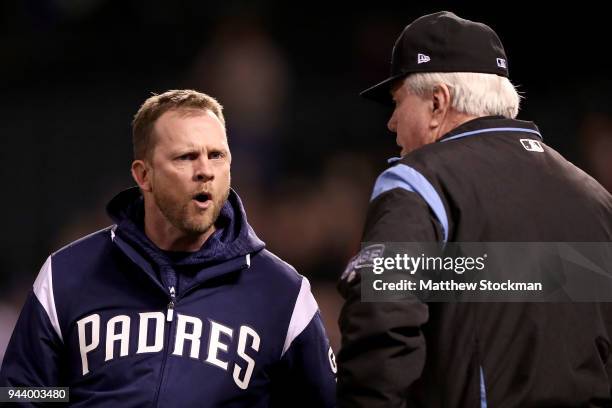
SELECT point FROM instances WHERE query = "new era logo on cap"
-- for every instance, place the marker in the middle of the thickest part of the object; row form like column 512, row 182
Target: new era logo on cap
column 501, row 63
column 421, row 58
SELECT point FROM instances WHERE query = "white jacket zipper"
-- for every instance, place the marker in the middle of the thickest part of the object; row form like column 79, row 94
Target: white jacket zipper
column 170, row 313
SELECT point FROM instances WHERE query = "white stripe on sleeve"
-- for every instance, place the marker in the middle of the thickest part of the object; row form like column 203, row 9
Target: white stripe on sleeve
column 43, row 289
column 303, row 311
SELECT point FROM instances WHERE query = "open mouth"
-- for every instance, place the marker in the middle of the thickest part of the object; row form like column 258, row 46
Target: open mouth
column 202, row 197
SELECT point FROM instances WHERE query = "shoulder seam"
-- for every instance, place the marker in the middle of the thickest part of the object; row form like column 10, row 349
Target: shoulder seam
column 303, row 311
column 410, row 179
column 43, row 290
column 67, row 246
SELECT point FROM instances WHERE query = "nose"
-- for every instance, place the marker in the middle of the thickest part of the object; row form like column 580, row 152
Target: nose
column 392, row 124
column 203, row 169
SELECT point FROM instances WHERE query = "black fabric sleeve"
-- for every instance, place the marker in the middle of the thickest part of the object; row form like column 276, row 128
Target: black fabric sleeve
column 383, row 348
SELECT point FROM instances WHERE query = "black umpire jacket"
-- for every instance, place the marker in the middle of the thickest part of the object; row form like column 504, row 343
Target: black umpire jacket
column 489, row 180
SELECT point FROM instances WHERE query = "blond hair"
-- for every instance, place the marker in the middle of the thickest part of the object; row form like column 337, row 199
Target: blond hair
column 184, row 100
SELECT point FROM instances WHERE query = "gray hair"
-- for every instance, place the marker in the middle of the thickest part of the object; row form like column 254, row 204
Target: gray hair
column 471, row 93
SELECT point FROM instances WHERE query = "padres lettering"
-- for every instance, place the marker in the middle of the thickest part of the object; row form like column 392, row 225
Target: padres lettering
column 189, row 330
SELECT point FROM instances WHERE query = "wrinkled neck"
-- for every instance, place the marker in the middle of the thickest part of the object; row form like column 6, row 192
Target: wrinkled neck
column 453, row 120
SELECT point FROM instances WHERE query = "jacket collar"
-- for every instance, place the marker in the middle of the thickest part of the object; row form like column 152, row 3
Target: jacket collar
column 490, row 124
column 227, row 250
column 486, row 125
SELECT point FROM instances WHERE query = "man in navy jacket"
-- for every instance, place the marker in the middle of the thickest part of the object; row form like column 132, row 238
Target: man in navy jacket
column 178, row 303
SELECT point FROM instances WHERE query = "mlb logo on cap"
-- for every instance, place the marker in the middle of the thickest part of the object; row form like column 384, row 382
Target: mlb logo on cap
column 532, row 145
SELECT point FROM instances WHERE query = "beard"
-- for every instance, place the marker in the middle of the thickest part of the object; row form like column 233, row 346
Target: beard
column 189, row 218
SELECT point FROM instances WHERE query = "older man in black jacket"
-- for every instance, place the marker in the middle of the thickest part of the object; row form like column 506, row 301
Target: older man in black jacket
column 471, row 172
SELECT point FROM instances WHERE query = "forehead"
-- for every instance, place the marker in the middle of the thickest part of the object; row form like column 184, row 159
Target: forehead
column 193, row 127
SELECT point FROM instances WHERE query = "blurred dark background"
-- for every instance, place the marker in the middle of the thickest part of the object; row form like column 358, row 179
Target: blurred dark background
column 306, row 148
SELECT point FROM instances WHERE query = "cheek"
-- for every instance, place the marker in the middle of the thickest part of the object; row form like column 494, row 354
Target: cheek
column 223, row 171
column 406, row 124
column 172, row 182
column 227, row 177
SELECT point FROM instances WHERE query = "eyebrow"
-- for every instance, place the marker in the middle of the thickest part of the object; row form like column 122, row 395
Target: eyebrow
column 194, row 149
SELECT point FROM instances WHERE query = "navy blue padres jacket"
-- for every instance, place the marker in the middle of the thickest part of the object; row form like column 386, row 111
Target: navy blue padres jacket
column 121, row 322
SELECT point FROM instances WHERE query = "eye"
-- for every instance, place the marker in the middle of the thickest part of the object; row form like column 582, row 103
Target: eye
column 215, row 154
column 187, row 156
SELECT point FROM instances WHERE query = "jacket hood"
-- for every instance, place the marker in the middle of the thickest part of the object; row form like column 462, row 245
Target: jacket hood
column 233, row 238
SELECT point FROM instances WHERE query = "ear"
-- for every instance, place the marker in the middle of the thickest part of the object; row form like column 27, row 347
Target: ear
column 141, row 172
column 441, row 101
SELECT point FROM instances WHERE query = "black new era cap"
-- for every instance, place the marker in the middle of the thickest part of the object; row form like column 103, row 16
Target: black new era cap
column 442, row 42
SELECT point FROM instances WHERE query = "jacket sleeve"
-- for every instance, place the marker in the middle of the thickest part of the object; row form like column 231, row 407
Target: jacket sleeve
column 306, row 375
column 383, row 347
column 33, row 355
